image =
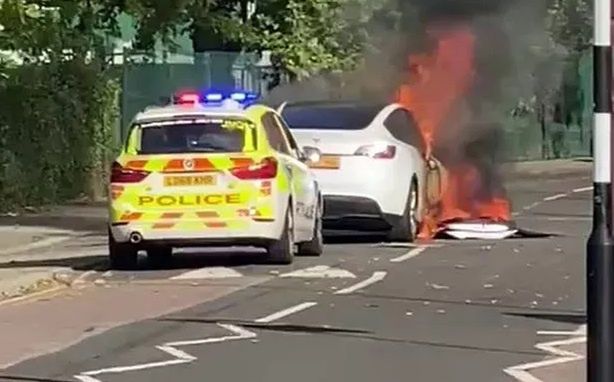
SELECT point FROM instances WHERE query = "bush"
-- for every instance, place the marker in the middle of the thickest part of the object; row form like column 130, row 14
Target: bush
column 56, row 125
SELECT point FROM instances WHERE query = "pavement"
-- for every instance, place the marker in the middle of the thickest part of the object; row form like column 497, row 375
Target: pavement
column 493, row 311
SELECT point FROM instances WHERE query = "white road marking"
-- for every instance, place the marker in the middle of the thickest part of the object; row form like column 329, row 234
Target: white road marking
column 320, row 272
column 286, row 312
column 183, row 357
column 584, row 189
column 522, row 372
column 411, row 254
column 170, row 348
column 406, row 245
column 208, row 273
column 555, row 197
column 376, row 277
column 566, row 219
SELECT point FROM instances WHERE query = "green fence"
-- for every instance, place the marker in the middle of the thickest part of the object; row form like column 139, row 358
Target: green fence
column 558, row 127
column 145, row 84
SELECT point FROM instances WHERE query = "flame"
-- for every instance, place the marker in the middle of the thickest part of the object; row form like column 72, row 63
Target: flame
column 438, row 81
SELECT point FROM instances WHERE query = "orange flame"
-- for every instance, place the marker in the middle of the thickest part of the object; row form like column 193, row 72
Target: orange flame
column 439, row 80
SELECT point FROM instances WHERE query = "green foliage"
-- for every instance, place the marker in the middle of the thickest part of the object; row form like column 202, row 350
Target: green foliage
column 56, row 132
column 570, row 24
column 59, row 105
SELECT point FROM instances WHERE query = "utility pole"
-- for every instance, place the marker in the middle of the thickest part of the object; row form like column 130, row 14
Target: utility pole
column 600, row 262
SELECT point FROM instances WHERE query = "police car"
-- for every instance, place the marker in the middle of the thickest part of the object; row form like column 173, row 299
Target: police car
column 212, row 169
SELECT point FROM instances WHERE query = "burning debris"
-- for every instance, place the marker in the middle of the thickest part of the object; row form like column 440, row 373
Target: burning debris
column 485, row 230
column 443, row 89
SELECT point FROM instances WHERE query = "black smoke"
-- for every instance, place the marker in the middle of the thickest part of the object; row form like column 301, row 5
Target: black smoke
column 505, row 32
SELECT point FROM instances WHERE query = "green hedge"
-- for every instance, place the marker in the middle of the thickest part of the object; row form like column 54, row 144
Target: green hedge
column 56, row 129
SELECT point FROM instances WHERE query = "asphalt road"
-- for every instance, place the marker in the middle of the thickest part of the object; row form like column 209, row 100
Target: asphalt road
column 447, row 311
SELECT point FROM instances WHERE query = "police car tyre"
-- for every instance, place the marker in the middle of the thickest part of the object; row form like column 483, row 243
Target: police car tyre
column 159, row 256
column 282, row 251
column 406, row 228
column 315, row 246
column 122, row 256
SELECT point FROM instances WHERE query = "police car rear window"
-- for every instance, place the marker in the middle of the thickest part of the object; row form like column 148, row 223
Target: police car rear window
column 199, row 136
column 330, row 117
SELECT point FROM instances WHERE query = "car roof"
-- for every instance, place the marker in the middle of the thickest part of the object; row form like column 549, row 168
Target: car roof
column 160, row 113
column 340, row 103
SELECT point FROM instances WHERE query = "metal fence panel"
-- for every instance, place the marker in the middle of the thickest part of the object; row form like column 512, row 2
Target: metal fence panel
column 145, row 84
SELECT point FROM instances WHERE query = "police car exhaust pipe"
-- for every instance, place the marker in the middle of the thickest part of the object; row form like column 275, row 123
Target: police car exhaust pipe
column 135, row 238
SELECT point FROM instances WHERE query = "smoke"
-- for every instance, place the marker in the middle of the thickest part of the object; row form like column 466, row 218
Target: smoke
column 511, row 46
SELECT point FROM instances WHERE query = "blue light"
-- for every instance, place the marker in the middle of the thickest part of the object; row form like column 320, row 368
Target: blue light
column 214, row 97
column 239, row 97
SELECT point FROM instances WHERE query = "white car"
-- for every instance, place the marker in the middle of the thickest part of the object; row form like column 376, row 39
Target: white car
column 371, row 168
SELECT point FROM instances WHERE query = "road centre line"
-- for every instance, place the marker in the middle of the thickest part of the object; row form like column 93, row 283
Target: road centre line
column 286, row 312
column 555, row 197
column 584, row 189
column 411, row 254
column 376, row 277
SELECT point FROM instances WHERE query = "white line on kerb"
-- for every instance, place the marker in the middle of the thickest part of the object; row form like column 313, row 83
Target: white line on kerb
column 413, row 253
column 286, row 312
column 376, row 277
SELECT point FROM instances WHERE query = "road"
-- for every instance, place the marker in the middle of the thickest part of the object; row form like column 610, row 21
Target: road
column 364, row 311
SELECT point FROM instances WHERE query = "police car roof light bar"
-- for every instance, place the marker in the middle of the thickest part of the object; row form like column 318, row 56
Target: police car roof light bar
column 188, row 99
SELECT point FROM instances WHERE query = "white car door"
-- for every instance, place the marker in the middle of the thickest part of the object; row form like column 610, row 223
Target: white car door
column 306, row 192
column 302, row 183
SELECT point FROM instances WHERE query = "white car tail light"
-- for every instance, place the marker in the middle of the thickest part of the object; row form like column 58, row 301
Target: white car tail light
column 377, row 151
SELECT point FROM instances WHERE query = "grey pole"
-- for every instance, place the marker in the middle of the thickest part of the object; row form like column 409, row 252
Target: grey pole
column 600, row 262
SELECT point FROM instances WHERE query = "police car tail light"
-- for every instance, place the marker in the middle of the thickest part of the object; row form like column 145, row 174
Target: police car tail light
column 120, row 174
column 377, row 151
column 266, row 169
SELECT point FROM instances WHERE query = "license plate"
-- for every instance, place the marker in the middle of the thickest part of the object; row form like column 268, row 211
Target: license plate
column 327, row 162
column 182, row 181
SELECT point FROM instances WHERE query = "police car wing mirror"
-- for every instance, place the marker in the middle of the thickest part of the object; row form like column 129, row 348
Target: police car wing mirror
column 311, row 154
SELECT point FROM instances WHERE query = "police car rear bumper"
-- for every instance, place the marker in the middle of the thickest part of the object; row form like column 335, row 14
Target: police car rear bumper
column 257, row 233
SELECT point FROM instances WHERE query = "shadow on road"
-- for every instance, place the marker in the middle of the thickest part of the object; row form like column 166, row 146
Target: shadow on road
column 576, row 319
column 83, row 263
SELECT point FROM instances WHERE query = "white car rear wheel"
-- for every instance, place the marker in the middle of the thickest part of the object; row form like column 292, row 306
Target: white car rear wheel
column 406, row 228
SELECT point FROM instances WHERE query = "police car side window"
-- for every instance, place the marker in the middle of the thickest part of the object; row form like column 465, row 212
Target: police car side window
column 289, row 137
column 274, row 133
column 402, row 125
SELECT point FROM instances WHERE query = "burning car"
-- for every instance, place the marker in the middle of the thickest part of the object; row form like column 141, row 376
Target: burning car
column 372, row 163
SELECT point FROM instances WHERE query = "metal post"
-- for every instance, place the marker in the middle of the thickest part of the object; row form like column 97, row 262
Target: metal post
column 600, row 262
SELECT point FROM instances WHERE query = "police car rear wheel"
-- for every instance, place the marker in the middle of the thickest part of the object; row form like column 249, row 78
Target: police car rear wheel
column 315, row 246
column 282, row 251
column 122, row 256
